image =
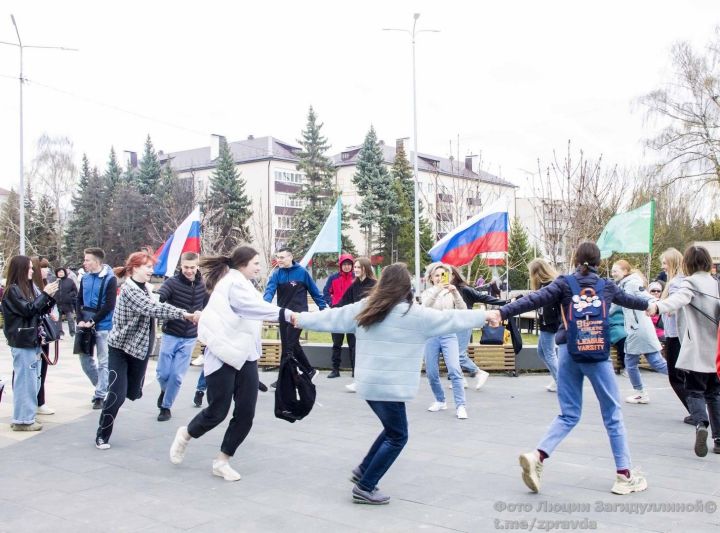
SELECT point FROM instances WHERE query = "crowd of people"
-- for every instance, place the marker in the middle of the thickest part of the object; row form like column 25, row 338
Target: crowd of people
column 390, row 331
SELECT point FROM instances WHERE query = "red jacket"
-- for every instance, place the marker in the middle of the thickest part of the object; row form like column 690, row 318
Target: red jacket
column 338, row 283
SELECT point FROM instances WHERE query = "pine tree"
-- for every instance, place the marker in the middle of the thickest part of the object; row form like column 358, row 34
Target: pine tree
column 318, row 194
column 519, row 255
column 374, row 185
column 149, row 174
column 227, row 208
column 10, row 228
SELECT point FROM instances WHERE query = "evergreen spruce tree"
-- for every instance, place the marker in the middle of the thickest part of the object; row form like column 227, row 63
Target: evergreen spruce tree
column 45, row 237
column 31, row 224
column 374, row 185
column 318, row 195
column 79, row 224
column 9, row 228
column 149, row 172
column 519, row 255
column 227, row 208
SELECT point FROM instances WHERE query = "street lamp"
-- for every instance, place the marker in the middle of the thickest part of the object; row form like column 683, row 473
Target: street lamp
column 22, row 46
column 412, row 34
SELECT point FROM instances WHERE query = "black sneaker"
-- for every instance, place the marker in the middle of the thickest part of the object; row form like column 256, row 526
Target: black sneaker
column 262, row 387
column 689, row 420
column 160, row 399
column 701, row 434
column 164, row 415
column 97, row 403
column 102, row 444
column 716, row 446
column 274, row 384
column 334, row 374
column 198, row 398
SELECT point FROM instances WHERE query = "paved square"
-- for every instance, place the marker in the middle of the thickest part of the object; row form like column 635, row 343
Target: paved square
column 454, row 475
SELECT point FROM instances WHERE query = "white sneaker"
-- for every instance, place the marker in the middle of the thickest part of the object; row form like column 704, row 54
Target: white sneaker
column 437, row 406
column 481, row 378
column 198, row 361
column 352, row 387
column 532, row 470
column 45, row 410
column 551, row 387
column 640, row 396
column 465, row 384
column 461, row 412
column 224, row 470
column 625, row 485
column 178, row 447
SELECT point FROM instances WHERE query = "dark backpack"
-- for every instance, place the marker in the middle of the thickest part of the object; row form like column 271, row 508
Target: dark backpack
column 295, row 392
column 587, row 323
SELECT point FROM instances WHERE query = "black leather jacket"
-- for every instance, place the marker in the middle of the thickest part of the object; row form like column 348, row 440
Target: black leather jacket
column 22, row 317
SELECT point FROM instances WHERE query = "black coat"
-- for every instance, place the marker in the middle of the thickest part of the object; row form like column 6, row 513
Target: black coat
column 66, row 296
column 357, row 291
column 471, row 297
column 22, row 317
column 185, row 294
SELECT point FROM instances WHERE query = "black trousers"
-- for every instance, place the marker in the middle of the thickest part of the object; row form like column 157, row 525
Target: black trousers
column 126, row 376
column 703, row 389
column 224, row 386
column 337, row 339
column 620, row 347
column 293, row 339
column 675, row 377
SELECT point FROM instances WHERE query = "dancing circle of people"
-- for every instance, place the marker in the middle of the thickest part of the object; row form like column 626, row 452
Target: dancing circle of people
column 390, row 333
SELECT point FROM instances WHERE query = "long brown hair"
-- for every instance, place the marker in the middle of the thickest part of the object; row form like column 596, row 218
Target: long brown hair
column 17, row 274
column 587, row 255
column 37, row 278
column 457, row 278
column 216, row 266
column 393, row 288
column 366, row 267
column 696, row 259
column 541, row 272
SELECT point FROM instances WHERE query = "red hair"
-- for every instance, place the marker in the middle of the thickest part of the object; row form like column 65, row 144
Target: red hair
column 136, row 260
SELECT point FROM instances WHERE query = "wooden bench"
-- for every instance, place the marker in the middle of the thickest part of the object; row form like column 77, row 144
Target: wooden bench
column 489, row 357
column 270, row 357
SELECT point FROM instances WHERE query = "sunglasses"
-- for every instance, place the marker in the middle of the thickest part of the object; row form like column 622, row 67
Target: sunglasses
column 655, row 290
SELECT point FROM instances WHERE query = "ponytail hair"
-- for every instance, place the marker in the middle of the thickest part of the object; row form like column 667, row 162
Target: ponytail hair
column 216, row 266
column 587, row 255
column 135, row 260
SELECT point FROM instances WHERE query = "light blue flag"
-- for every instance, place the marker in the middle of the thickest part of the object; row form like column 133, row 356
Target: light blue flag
column 329, row 239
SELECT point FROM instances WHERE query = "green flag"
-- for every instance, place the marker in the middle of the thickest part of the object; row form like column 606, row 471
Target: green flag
column 630, row 232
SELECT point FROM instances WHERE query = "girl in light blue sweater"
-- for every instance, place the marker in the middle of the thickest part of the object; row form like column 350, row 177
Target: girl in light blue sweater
column 391, row 334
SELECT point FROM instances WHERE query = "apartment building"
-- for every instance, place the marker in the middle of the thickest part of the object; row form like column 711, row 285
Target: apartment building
column 450, row 191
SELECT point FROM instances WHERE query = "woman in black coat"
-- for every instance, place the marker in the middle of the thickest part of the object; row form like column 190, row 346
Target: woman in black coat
column 66, row 299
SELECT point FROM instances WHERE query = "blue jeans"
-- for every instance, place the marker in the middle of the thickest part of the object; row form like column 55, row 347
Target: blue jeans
column 570, row 384
column 26, row 365
column 466, row 363
column 449, row 346
column 387, row 446
column 548, row 352
column 632, row 361
column 97, row 372
column 173, row 362
column 201, row 384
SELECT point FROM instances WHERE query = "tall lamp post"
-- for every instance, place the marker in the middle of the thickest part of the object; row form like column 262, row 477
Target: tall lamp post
column 21, row 47
column 412, row 34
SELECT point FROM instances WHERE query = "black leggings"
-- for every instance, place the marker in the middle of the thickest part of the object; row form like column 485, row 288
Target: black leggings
column 126, row 375
column 223, row 386
column 675, row 377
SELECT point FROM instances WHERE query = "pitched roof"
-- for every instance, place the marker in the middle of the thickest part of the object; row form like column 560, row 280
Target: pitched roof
column 426, row 163
column 255, row 149
column 4, row 192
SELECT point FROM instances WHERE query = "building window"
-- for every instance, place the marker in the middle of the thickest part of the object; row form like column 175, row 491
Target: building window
column 288, row 200
column 283, row 222
column 289, row 176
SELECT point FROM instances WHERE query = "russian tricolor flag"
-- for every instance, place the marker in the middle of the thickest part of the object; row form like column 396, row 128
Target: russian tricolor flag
column 185, row 239
column 485, row 232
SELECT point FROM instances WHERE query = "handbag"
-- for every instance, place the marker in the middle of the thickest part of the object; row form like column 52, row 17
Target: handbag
column 492, row 334
column 48, row 330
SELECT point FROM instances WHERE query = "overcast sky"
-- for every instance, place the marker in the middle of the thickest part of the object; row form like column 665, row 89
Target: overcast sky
column 514, row 80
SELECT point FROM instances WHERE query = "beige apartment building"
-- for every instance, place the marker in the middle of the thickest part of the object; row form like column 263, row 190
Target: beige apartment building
column 450, row 191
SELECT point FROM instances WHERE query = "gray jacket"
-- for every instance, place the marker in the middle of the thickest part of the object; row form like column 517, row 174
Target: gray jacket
column 641, row 337
column 698, row 334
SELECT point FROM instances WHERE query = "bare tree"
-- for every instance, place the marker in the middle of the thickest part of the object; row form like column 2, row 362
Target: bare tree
column 576, row 197
column 261, row 228
column 688, row 110
column 54, row 171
